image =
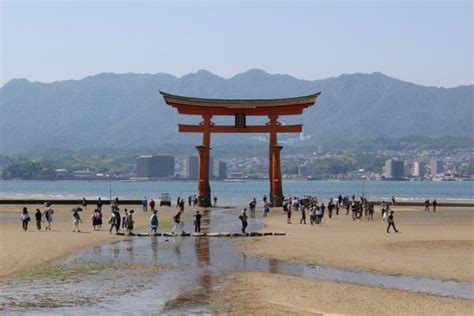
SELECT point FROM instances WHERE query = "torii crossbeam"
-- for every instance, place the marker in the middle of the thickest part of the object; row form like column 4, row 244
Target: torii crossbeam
column 272, row 108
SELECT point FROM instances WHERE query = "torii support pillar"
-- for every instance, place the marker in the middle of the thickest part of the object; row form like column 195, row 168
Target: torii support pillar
column 276, row 196
column 204, row 188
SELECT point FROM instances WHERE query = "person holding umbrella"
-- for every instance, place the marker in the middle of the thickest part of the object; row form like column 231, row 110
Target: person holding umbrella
column 76, row 219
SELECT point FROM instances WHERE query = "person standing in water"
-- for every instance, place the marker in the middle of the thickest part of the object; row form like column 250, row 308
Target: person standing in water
column 177, row 220
column 197, row 222
column 154, row 222
column 25, row 218
column 130, row 222
column 391, row 223
column 243, row 218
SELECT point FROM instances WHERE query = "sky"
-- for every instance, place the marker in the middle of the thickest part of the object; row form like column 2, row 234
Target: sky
column 425, row 42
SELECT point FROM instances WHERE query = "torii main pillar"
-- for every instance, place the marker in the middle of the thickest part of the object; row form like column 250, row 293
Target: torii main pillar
column 204, row 154
column 274, row 164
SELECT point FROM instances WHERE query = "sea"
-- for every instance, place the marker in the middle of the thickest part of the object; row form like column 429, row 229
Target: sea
column 238, row 193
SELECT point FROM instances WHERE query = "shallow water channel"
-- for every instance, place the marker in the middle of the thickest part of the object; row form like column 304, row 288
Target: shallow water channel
column 192, row 267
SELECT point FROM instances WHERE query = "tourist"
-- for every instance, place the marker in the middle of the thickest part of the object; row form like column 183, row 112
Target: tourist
column 319, row 214
column 330, row 208
column 371, row 212
column 130, row 222
column 181, row 205
column 393, row 200
column 383, row 208
column 303, row 214
column 243, row 218
column 39, row 219
column 84, row 203
column 266, row 209
column 124, row 219
column 391, row 223
column 312, row 215
column 190, row 200
column 48, row 215
column 113, row 222
column 337, row 209
column 117, row 217
column 427, row 205
column 197, row 222
column 215, row 201
column 177, row 219
column 177, row 201
column 339, row 200
column 99, row 204
column 154, row 222
column 152, row 205
column 25, row 218
column 75, row 221
column 264, row 198
column 435, row 204
column 145, row 204
column 195, row 200
column 96, row 219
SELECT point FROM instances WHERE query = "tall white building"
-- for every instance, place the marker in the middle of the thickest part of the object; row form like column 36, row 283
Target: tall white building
column 419, row 169
column 190, row 167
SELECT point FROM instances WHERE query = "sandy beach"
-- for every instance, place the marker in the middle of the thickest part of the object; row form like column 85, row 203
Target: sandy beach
column 435, row 245
column 20, row 251
column 274, row 294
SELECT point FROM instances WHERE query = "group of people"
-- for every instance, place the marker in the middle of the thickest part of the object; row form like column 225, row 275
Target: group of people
column 40, row 217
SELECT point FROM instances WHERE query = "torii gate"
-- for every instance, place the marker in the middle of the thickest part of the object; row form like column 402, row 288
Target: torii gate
column 272, row 108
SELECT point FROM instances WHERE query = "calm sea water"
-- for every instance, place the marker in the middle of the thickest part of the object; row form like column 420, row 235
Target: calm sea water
column 239, row 193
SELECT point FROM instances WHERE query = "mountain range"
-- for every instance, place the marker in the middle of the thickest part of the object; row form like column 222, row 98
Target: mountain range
column 126, row 111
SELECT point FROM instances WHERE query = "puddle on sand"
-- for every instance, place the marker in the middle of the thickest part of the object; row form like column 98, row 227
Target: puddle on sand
column 194, row 267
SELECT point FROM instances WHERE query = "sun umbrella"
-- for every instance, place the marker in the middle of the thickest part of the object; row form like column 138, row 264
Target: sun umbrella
column 76, row 209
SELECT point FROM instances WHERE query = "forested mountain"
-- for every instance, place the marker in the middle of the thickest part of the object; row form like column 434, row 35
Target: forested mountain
column 126, row 110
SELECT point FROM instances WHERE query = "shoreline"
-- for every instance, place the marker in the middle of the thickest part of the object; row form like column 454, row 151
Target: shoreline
column 432, row 245
column 21, row 251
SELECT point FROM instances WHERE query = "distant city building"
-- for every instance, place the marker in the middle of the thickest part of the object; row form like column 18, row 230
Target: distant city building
column 407, row 166
column 419, row 169
column 190, row 167
column 394, row 169
column 436, row 167
column 155, row 166
column 83, row 174
column 221, row 170
column 306, row 169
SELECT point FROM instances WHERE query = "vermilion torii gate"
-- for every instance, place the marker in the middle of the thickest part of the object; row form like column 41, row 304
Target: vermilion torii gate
column 240, row 109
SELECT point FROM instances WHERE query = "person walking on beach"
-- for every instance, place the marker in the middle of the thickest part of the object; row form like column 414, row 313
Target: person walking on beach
column 113, row 222
column 99, row 204
column 427, row 205
column 75, row 222
column 84, row 203
column 39, row 219
column 243, row 218
column 124, row 219
column 197, row 222
column 25, row 218
column 312, row 215
column 152, row 205
column 391, row 223
column 130, row 222
column 145, row 204
column 154, row 222
column 48, row 215
column 383, row 208
column 177, row 220
column 303, row 214
column 266, row 209
column 287, row 208
column 435, row 204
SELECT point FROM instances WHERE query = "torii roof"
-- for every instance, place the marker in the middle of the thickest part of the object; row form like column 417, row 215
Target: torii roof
column 201, row 106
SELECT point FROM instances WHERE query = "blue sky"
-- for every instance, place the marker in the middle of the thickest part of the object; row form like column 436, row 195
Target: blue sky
column 426, row 42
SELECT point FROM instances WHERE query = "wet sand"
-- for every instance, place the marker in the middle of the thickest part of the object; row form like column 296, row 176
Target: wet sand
column 20, row 251
column 435, row 245
column 273, row 294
